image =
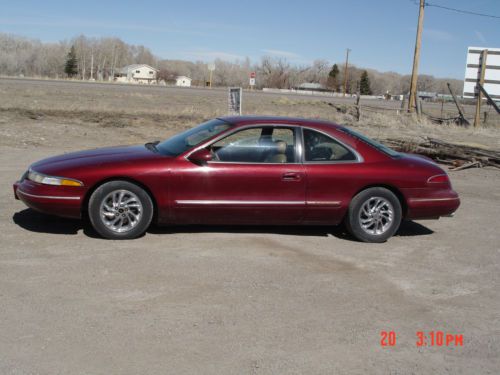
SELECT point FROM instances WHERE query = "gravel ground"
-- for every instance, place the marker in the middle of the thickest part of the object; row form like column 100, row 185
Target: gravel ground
column 239, row 300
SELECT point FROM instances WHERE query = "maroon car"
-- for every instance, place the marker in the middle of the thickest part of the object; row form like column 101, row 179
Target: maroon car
column 243, row 170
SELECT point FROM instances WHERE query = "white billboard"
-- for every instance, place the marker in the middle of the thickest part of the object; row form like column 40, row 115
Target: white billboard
column 473, row 70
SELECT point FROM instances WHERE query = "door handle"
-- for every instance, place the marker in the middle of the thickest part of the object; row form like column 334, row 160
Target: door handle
column 291, row 176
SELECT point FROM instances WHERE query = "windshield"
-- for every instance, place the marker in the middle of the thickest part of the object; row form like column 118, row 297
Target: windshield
column 371, row 142
column 190, row 138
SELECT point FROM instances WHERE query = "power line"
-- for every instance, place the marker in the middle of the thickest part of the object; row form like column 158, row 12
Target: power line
column 458, row 10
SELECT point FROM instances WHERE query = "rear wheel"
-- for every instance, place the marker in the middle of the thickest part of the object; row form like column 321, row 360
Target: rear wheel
column 374, row 215
column 120, row 210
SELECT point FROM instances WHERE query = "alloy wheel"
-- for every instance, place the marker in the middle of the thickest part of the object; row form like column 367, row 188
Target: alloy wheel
column 376, row 215
column 120, row 211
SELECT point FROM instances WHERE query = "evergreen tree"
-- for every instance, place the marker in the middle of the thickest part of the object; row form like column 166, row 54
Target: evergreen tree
column 332, row 77
column 71, row 67
column 364, row 84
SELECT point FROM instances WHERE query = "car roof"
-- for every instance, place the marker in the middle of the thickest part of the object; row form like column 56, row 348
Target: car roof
column 245, row 120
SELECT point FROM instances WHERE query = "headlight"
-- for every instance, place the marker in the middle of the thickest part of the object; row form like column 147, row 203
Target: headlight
column 24, row 176
column 49, row 180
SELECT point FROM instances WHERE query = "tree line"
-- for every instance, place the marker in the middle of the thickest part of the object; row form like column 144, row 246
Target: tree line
column 100, row 59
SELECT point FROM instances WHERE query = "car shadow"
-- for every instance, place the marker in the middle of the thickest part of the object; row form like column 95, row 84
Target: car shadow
column 34, row 221
column 295, row 230
column 410, row 228
column 406, row 229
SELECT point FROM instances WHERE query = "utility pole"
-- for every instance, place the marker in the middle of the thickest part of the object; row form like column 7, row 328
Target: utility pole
column 346, row 71
column 412, row 102
column 211, row 68
column 92, row 65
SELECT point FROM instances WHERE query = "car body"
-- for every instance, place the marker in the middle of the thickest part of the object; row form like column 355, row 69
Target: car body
column 243, row 170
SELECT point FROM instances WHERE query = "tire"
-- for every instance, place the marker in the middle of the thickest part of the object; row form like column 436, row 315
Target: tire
column 374, row 215
column 120, row 210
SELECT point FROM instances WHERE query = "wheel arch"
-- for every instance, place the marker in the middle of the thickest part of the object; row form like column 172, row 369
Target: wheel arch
column 88, row 194
column 391, row 188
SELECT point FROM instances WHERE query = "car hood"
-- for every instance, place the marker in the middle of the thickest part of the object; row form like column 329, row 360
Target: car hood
column 96, row 157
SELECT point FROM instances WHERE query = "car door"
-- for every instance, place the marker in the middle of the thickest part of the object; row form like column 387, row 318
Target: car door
column 254, row 177
column 332, row 169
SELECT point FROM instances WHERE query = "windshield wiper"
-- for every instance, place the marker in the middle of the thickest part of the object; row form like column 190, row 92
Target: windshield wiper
column 151, row 146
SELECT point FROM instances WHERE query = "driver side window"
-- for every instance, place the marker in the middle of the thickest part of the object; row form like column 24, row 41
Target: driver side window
column 256, row 145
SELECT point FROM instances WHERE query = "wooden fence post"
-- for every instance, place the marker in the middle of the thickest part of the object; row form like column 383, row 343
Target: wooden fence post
column 482, row 62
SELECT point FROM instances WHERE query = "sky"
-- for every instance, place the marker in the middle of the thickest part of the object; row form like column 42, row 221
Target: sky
column 380, row 33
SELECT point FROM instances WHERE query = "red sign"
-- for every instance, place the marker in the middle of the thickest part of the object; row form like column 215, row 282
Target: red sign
column 252, row 75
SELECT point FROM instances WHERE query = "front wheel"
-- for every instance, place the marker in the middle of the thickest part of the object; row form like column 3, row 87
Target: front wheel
column 374, row 215
column 120, row 210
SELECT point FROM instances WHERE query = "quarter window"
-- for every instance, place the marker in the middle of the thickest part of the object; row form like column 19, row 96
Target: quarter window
column 257, row 145
column 318, row 147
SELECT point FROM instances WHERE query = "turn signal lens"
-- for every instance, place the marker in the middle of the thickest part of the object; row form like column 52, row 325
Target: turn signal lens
column 66, row 182
column 439, row 179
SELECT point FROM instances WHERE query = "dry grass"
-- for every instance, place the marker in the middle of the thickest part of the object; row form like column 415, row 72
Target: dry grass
column 111, row 114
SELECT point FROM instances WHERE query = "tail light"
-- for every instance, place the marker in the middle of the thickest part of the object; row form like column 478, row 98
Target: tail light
column 439, row 179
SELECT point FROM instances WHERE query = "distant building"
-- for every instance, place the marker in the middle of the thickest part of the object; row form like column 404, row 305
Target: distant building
column 426, row 95
column 310, row 86
column 445, row 97
column 183, row 81
column 137, row 73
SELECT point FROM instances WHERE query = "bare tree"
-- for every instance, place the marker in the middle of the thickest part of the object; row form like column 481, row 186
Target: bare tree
column 275, row 72
column 28, row 57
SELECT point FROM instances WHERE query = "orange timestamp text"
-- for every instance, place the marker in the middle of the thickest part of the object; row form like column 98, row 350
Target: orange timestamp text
column 424, row 339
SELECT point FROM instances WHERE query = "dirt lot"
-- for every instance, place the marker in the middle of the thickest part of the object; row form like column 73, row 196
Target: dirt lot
column 217, row 300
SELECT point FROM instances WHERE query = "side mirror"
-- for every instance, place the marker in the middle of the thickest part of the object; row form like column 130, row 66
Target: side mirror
column 201, row 157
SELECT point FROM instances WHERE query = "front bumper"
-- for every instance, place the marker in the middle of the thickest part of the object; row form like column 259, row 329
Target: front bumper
column 65, row 201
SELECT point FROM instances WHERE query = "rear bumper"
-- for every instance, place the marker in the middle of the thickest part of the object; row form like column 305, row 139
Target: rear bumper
column 431, row 203
column 62, row 201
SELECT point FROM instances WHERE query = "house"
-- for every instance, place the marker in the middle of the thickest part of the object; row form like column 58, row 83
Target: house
column 183, row 81
column 137, row 73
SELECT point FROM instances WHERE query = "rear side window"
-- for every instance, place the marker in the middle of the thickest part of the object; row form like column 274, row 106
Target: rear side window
column 319, row 147
column 371, row 142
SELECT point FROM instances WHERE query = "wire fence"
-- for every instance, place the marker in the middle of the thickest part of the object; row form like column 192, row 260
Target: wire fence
column 435, row 115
